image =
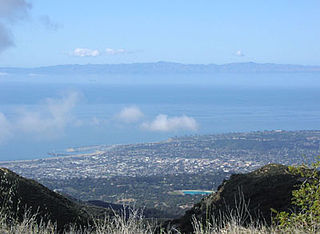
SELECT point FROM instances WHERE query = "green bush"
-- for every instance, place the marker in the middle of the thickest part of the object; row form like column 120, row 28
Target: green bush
column 306, row 200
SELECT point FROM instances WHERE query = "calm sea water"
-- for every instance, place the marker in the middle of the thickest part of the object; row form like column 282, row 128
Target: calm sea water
column 38, row 117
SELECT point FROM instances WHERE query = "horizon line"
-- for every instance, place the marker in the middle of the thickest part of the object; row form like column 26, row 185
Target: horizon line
column 160, row 61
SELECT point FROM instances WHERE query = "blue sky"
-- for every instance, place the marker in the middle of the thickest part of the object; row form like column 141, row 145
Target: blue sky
column 42, row 32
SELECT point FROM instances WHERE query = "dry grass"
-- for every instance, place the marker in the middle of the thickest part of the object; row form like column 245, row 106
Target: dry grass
column 135, row 224
column 233, row 227
column 234, row 222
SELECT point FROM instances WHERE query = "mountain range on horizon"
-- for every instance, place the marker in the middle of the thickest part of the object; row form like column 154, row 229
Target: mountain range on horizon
column 160, row 68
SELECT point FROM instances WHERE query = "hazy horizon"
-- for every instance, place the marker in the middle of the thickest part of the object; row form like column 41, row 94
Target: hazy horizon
column 165, row 62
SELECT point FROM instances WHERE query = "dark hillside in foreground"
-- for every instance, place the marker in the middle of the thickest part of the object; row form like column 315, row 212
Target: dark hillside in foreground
column 253, row 193
column 18, row 194
column 268, row 187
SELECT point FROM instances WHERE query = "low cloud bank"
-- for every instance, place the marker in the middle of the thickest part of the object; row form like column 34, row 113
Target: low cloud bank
column 48, row 121
column 163, row 123
column 130, row 114
column 53, row 117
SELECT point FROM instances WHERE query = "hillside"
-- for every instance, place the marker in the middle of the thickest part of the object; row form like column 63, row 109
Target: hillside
column 249, row 196
column 18, row 194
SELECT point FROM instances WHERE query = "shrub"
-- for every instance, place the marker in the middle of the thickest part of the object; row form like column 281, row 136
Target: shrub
column 306, row 199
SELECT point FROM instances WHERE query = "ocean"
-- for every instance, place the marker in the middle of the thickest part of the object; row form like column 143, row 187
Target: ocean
column 41, row 115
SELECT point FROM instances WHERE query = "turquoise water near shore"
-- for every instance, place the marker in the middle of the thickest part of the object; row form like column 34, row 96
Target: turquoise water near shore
column 196, row 192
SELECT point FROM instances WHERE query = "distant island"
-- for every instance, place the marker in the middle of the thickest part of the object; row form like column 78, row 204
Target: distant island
column 161, row 68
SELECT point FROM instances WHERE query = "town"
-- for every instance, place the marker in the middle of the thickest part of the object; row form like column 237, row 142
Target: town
column 149, row 174
column 233, row 152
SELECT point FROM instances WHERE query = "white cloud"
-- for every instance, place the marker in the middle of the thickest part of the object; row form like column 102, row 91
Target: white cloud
column 51, row 119
column 85, row 52
column 130, row 114
column 239, row 53
column 163, row 123
column 115, row 51
column 48, row 121
column 5, row 128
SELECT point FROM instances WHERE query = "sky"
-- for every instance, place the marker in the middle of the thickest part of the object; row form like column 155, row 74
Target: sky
column 42, row 32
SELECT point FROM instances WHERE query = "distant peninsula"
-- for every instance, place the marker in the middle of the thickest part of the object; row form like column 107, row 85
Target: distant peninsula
column 161, row 68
